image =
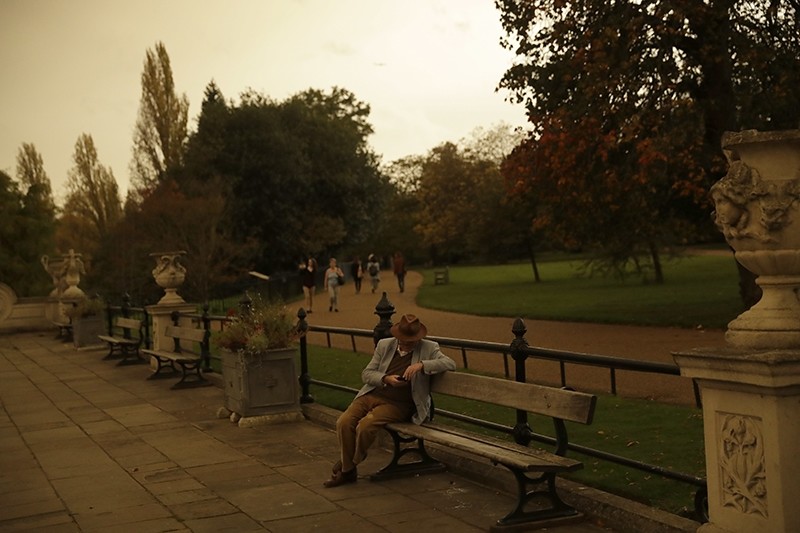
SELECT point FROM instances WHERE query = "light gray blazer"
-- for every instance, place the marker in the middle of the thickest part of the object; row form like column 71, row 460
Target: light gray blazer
column 433, row 362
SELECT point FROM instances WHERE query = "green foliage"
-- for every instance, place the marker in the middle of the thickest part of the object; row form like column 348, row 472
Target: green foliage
column 463, row 210
column 93, row 206
column 86, row 307
column 264, row 326
column 299, row 176
column 702, row 290
column 26, row 233
column 160, row 132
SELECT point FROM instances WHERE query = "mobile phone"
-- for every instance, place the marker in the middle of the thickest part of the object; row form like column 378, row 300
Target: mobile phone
column 401, row 378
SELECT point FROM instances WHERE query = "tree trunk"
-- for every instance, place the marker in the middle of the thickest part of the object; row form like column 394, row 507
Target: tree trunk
column 534, row 266
column 656, row 258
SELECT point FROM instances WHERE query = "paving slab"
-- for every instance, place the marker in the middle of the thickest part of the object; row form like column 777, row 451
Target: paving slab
column 89, row 446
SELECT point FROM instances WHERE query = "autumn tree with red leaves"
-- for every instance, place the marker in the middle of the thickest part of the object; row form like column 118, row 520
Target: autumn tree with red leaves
column 628, row 101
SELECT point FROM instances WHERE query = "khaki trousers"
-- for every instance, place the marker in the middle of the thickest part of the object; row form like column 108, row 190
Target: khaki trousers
column 358, row 426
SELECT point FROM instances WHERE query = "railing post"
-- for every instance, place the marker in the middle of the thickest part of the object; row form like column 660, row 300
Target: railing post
column 109, row 319
column 148, row 343
column 205, row 347
column 176, row 316
column 522, row 431
column 305, row 378
column 126, row 305
column 125, row 309
column 245, row 304
column 384, row 310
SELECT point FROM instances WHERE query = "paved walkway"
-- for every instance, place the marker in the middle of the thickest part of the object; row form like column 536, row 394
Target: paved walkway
column 89, row 446
column 631, row 342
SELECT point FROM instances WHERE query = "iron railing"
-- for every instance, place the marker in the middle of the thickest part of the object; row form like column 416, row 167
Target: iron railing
column 520, row 352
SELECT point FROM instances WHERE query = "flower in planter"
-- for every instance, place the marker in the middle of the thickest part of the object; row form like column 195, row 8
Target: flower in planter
column 85, row 308
column 265, row 326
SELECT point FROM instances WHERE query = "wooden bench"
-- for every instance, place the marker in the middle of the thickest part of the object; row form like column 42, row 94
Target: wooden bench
column 122, row 343
column 64, row 329
column 441, row 277
column 184, row 354
column 534, row 469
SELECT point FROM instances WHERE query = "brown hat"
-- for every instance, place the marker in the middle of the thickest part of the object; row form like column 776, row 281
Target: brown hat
column 409, row 329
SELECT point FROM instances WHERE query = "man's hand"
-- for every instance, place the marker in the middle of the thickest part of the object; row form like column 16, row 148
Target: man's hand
column 394, row 381
column 412, row 370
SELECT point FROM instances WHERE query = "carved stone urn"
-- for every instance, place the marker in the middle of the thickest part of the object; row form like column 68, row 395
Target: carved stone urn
column 757, row 208
column 73, row 268
column 55, row 268
column 751, row 388
column 169, row 274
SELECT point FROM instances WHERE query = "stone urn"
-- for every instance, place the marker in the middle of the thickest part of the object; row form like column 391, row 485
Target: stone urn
column 757, row 208
column 169, row 274
column 73, row 268
column 55, row 269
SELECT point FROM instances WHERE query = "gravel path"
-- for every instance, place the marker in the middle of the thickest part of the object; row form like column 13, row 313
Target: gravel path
column 630, row 342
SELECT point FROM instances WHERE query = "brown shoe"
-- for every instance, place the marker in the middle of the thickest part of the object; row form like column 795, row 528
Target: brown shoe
column 337, row 467
column 341, row 478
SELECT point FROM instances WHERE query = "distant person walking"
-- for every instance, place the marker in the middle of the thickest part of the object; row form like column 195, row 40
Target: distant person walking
column 357, row 271
column 334, row 278
column 308, row 275
column 399, row 265
column 374, row 271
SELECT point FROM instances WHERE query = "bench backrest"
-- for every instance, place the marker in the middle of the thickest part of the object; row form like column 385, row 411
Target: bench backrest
column 539, row 399
column 128, row 323
column 189, row 334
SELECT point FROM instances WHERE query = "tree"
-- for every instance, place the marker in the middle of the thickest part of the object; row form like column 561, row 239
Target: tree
column 93, row 204
column 299, row 176
column 160, row 133
column 31, row 174
column 25, row 235
column 631, row 99
column 172, row 218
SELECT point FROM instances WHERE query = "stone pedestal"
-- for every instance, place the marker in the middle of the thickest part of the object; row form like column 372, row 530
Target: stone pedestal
column 261, row 388
column 86, row 330
column 162, row 317
column 751, row 412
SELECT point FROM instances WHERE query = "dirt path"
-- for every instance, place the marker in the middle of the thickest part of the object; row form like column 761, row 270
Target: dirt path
column 631, row 342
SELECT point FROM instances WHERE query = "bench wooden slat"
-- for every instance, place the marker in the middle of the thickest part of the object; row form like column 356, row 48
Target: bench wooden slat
column 549, row 401
column 130, row 323
column 190, row 334
column 118, row 340
column 173, row 356
column 535, row 470
column 497, row 451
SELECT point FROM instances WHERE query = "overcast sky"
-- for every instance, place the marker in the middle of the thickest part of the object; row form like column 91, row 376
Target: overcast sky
column 427, row 68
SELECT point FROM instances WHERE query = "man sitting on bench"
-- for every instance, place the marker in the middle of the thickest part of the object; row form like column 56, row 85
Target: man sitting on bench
column 396, row 389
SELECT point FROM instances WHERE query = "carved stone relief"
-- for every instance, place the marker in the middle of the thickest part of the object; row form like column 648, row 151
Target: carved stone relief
column 743, row 473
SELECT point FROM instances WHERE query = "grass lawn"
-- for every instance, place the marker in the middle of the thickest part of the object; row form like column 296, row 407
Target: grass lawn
column 699, row 290
column 664, row 435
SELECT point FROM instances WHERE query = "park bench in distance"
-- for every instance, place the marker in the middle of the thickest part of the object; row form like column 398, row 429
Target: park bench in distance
column 122, row 343
column 442, row 276
column 184, row 355
column 531, row 466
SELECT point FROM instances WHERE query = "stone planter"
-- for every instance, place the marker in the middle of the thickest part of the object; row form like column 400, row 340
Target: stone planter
column 86, row 329
column 758, row 211
column 261, row 388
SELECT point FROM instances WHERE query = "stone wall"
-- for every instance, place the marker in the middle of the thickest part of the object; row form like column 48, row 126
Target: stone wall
column 24, row 314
